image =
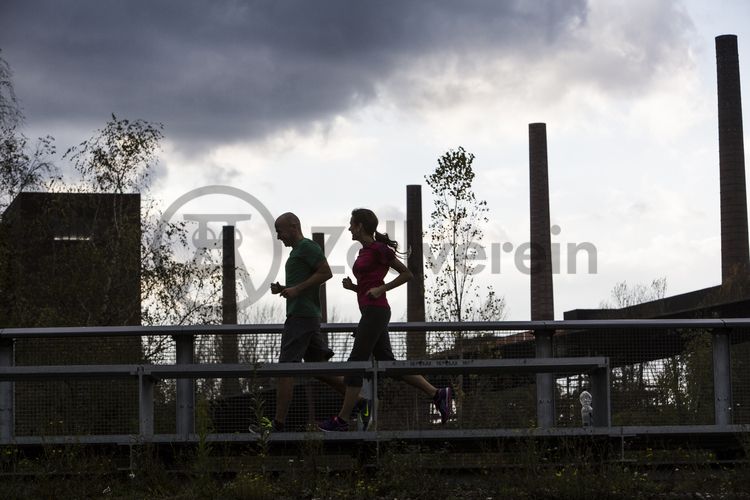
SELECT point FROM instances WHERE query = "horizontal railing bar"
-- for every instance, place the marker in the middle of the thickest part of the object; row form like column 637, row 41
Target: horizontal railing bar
column 217, row 370
column 126, row 331
column 616, row 432
column 522, row 365
column 263, row 370
column 478, row 326
column 206, row 370
column 64, row 372
column 469, row 326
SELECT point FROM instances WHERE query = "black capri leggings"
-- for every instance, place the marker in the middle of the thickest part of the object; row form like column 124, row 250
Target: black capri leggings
column 371, row 340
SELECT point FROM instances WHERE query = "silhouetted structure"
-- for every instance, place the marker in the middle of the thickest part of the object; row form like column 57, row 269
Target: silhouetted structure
column 633, row 354
column 416, row 345
column 72, row 259
column 734, row 243
column 732, row 297
column 542, row 297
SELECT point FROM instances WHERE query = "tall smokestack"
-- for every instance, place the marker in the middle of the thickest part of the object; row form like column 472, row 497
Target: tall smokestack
column 542, row 304
column 229, row 342
column 735, row 256
column 416, row 345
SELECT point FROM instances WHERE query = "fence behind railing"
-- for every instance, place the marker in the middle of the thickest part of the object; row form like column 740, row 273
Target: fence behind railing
column 663, row 372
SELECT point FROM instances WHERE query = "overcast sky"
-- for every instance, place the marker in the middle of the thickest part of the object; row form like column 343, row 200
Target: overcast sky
column 322, row 106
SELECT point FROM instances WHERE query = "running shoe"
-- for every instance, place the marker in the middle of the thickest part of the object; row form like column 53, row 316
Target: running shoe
column 362, row 413
column 334, row 424
column 266, row 426
column 444, row 403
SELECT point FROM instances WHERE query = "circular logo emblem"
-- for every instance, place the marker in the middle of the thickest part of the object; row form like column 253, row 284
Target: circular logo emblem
column 245, row 212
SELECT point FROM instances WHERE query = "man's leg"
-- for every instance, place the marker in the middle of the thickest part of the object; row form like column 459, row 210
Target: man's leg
column 284, row 392
column 318, row 350
column 294, row 342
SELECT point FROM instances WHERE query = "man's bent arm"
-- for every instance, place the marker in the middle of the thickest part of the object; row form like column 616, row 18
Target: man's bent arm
column 321, row 275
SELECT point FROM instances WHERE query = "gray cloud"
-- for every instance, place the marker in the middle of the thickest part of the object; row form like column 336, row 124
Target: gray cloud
column 226, row 70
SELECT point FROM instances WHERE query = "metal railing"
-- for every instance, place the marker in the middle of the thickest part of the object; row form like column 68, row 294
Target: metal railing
column 103, row 383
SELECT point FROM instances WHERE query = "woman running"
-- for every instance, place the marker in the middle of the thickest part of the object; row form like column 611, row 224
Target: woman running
column 376, row 257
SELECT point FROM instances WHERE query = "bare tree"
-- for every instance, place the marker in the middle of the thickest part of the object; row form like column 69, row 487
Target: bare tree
column 120, row 157
column 624, row 295
column 178, row 285
column 456, row 233
column 10, row 113
column 23, row 166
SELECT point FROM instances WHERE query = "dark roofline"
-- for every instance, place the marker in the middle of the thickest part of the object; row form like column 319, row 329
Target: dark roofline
column 682, row 305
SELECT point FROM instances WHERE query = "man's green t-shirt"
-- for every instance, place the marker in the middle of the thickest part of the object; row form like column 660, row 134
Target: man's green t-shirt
column 301, row 264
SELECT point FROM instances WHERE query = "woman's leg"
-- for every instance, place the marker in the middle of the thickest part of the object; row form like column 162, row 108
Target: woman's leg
column 382, row 351
column 420, row 383
column 441, row 398
column 370, row 329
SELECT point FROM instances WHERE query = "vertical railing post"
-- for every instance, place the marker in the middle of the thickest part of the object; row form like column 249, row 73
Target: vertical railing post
column 601, row 396
column 722, row 378
column 184, row 345
column 545, row 382
column 145, row 405
column 374, row 405
column 7, row 413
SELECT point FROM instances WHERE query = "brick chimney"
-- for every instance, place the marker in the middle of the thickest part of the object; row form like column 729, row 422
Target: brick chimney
column 542, row 303
column 735, row 257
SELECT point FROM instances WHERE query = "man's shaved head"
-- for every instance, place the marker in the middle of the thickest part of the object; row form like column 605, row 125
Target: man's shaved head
column 288, row 219
column 288, row 229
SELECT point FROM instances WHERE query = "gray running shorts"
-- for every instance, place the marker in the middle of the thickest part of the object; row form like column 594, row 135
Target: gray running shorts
column 302, row 339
